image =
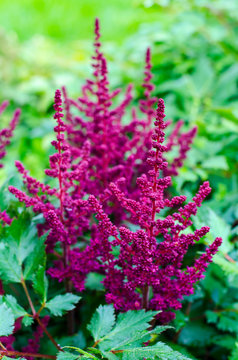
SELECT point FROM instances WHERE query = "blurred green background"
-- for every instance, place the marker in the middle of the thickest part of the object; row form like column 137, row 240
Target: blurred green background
column 45, row 44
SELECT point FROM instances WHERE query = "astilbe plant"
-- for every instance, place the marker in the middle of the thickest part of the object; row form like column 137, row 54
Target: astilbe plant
column 98, row 155
column 92, row 151
column 144, row 268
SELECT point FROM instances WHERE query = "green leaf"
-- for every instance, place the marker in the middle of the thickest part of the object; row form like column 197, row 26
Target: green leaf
column 141, row 337
column 64, row 355
column 6, row 320
column 77, row 339
column 220, row 228
column 127, row 325
column 228, row 267
column 62, row 303
column 212, row 317
column 10, row 269
column 102, row 321
column 17, row 310
column 218, row 162
column 21, row 236
column 40, row 283
column 234, row 354
column 27, row 320
column 228, row 322
column 227, row 113
column 36, row 258
column 196, row 334
column 94, row 281
column 227, row 341
column 160, row 350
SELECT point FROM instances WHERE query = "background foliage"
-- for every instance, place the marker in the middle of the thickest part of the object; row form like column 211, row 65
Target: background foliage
column 47, row 44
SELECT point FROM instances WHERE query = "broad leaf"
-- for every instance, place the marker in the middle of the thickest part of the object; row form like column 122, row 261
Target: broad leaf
column 6, row 320
column 102, row 321
column 36, row 258
column 140, row 337
column 17, row 310
column 127, row 325
column 21, row 236
column 40, row 284
column 10, row 269
column 160, row 350
column 64, row 355
column 62, row 303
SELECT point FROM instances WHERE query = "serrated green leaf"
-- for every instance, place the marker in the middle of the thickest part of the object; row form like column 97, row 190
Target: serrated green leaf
column 27, row 320
column 6, row 320
column 40, row 283
column 141, row 337
column 102, row 321
column 228, row 322
column 228, row 267
column 160, row 350
column 126, row 326
column 10, row 269
column 17, row 310
column 227, row 341
column 62, row 303
column 212, row 317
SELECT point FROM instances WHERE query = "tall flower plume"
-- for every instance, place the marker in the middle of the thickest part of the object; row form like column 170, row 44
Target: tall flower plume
column 148, row 270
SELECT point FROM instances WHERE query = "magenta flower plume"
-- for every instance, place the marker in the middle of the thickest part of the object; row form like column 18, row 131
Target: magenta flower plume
column 147, row 104
column 7, row 133
column 5, row 138
column 150, row 258
column 63, row 207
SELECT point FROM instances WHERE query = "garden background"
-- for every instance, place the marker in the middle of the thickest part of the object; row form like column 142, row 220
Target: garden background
column 47, row 44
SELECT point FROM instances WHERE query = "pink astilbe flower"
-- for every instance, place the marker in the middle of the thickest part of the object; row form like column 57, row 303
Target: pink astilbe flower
column 147, row 104
column 5, row 138
column 5, row 218
column 147, row 271
column 7, row 133
column 63, row 208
